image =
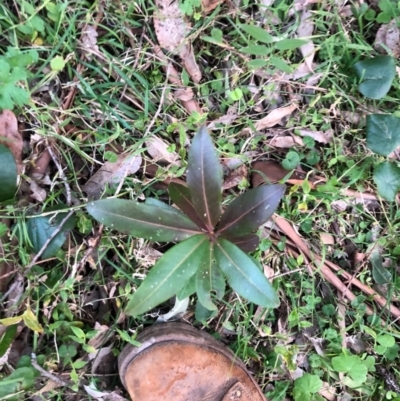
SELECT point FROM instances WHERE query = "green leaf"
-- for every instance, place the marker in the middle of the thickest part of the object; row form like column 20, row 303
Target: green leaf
column 244, row 276
column 250, row 210
column 377, row 75
column 387, row 180
column 279, row 391
column 202, row 314
column 386, row 340
column 41, row 228
column 305, row 386
column 383, row 133
column 256, row 50
column 247, row 243
column 8, row 174
column 257, row 33
column 180, row 195
column 204, row 178
column 352, row 365
column 209, row 278
column 7, row 338
column 381, row 275
column 280, row 64
column 257, row 63
column 168, row 275
column 156, row 223
column 290, row 44
column 20, row 379
column 10, row 93
column 291, row 160
column 188, row 290
column 57, row 64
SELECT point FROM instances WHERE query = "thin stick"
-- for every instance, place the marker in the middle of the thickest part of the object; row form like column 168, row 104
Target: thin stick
column 47, row 374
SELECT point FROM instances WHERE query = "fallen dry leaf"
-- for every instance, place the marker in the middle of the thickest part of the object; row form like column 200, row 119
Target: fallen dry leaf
column 305, row 30
column 158, row 150
column 319, row 136
column 327, row 239
column 37, row 192
column 275, row 117
column 388, row 35
column 10, row 136
column 228, row 118
column 171, row 31
column 235, row 177
column 272, row 171
column 209, row 5
column 89, row 41
column 285, row 141
column 112, row 174
column 184, row 94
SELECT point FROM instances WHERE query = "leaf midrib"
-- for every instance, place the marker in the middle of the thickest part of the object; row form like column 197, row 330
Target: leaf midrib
column 244, row 214
column 150, row 294
column 154, row 224
column 241, row 271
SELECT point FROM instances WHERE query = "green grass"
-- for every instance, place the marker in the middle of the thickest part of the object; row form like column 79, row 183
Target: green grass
column 117, row 97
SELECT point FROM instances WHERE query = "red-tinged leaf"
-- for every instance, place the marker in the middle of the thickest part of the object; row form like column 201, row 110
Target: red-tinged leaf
column 244, row 276
column 161, row 224
column 250, row 210
column 204, row 178
column 180, row 195
column 168, row 276
column 247, row 243
column 209, row 278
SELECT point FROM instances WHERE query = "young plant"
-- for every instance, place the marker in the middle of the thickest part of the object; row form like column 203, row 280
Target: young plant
column 212, row 245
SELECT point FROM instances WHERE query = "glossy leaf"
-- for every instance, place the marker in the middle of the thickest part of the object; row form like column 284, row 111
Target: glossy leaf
column 250, row 210
column 180, row 195
column 383, row 133
column 143, row 220
column 247, row 243
column 209, row 278
column 204, row 178
column 244, row 276
column 387, row 180
column 188, row 290
column 377, row 75
column 156, row 202
column 167, row 277
column 41, row 228
column 8, row 174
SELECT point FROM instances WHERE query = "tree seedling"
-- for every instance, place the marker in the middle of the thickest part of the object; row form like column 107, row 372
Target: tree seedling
column 213, row 246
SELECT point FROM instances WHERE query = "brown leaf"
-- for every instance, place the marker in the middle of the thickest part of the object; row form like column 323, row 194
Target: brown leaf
column 209, row 5
column 235, row 177
column 112, row 173
column 89, row 41
column 273, row 172
column 171, row 31
column 228, row 118
column 184, row 94
column 305, row 30
column 319, row 136
column 285, row 141
column 327, row 239
column 158, row 150
column 10, row 137
column 389, row 36
column 275, row 117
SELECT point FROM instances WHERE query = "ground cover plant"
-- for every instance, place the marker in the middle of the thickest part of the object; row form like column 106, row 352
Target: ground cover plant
column 100, row 103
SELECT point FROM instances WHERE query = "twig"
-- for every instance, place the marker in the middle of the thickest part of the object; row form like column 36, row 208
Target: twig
column 46, row 244
column 47, row 374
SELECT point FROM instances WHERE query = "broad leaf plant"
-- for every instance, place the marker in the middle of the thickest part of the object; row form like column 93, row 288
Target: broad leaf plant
column 212, row 245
